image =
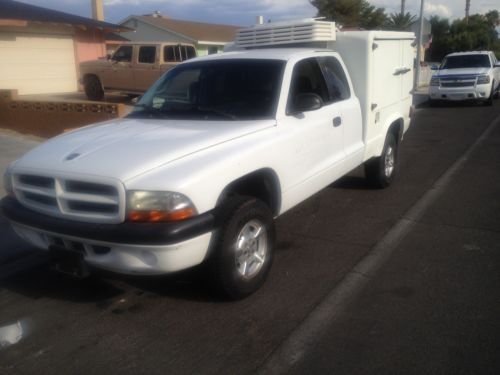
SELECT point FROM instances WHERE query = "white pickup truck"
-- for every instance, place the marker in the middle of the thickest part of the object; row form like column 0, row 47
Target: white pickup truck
column 473, row 75
column 214, row 151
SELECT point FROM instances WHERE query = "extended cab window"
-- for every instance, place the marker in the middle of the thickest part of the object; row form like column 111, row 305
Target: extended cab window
column 171, row 54
column 123, row 54
column 307, row 78
column 336, row 80
column 178, row 53
column 147, row 55
column 232, row 89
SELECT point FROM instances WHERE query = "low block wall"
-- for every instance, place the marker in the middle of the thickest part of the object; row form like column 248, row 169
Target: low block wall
column 50, row 118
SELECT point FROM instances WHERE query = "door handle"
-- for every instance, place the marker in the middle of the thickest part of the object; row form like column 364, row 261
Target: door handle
column 337, row 121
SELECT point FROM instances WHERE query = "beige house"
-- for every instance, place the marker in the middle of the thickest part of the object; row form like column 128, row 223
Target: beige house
column 40, row 48
column 208, row 38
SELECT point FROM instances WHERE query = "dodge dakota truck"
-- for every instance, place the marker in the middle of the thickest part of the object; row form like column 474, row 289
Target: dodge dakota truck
column 214, row 151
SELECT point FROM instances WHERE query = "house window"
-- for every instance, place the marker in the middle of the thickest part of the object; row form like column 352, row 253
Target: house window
column 212, row 50
column 147, row 55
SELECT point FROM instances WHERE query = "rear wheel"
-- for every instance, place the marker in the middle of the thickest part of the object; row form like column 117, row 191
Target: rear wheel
column 244, row 247
column 381, row 171
column 93, row 88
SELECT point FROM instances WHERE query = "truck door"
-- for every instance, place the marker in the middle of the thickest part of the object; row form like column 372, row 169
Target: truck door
column 119, row 74
column 316, row 135
column 147, row 67
column 348, row 104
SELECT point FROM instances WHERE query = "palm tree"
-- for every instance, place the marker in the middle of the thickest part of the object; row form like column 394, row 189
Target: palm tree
column 399, row 21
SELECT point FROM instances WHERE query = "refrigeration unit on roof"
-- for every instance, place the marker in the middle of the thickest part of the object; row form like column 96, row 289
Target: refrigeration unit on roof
column 282, row 33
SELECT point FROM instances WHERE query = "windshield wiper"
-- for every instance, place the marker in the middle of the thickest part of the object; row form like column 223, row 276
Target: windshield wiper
column 217, row 112
column 149, row 109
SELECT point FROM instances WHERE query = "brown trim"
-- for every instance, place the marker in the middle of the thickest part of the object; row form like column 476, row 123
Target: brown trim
column 19, row 23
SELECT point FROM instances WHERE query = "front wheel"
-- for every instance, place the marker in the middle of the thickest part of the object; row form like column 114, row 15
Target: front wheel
column 93, row 88
column 244, row 247
column 381, row 171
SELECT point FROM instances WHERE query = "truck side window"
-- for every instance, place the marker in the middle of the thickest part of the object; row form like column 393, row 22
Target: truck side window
column 172, row 54
column 191, row 53
column 123, row 54
column 147, row 54
column 307, row 79
column 336, row 79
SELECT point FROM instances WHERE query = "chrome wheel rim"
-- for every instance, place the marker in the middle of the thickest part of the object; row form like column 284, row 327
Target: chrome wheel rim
column 389, row 161
column 251, row 248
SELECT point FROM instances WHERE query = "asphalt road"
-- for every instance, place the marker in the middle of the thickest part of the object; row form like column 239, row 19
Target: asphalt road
column 431, row 307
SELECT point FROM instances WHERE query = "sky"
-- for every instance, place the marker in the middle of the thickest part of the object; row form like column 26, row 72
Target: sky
column 244, row 12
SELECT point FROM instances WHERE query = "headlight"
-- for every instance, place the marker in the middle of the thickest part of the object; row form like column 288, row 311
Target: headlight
column 158, row 206
column 7, row 182
column 483, row 79
column 434, row 81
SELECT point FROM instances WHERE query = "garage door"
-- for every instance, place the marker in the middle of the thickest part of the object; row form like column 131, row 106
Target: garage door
column 37, row 64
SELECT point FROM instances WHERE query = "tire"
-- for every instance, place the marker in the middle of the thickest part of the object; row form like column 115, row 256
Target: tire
column 239, row 264
column 489, row 102
column 381, row 171
column 433, row 103
column 93, row 88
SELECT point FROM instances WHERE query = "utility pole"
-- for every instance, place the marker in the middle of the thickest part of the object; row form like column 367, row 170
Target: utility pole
column 403, row 7
column 467, row 8
column 419, row 45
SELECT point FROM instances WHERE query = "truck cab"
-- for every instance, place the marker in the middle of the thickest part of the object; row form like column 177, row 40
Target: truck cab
column 132, row 68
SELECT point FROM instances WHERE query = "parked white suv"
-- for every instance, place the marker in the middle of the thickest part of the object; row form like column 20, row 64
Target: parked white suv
column 213, row 152
column 466, row 76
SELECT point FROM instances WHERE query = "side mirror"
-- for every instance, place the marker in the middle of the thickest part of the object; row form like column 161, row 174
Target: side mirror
column 136, row 99
column 307, row 102
column 435, row 67
column 497, row 64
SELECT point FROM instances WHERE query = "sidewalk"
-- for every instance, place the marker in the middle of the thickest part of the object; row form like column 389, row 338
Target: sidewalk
column 434, row 306
column 420, row 96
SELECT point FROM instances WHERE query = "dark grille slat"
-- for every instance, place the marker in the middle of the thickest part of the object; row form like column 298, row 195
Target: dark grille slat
column 41, row 199
column 92, row 207
column 38, row 181
column 90, row 188
column 457, row 84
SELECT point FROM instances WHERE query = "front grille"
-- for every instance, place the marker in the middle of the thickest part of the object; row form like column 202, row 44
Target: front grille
column 91, row 201
column 457, row 84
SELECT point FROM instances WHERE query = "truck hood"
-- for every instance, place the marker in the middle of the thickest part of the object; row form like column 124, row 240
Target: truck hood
column 463, row 71
column 95, row 63
column 126, row 148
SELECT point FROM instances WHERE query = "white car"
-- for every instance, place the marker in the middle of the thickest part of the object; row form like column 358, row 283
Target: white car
column 466, row 76
column 212, row 153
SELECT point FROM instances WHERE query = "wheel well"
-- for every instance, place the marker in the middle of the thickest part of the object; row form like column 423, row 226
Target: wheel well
column 396, row 129
column 88, row 75
column 262, row 184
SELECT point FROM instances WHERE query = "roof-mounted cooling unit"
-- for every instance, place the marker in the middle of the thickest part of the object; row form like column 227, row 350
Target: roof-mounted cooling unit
column 292, row 32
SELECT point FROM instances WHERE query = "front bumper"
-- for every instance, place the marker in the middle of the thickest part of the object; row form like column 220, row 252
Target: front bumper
column 130, row 248
column 477, row 92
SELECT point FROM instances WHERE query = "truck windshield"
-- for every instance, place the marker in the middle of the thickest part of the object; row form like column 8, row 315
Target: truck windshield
column 466, row 61
column 229, row 89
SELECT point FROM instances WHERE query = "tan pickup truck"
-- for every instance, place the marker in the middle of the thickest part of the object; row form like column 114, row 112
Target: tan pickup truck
column 132, row 68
